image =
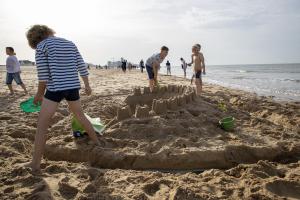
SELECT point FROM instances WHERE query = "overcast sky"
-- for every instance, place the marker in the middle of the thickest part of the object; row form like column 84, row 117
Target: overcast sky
column 230, row 31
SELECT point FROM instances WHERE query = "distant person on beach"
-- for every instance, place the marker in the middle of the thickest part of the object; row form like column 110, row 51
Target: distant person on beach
column 198, row 65
column 153, row 65
column 13, row 70
column 168, row 64
column 124, row 62
column 58, row 62
column 183, row 66
column 142, row 66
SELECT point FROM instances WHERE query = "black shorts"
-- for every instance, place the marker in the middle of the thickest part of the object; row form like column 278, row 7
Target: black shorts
column 69, row 95
column 198, row 74
column 150, row 72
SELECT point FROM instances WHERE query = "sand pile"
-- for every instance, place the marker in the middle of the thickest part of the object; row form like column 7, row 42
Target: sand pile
column 170, row 131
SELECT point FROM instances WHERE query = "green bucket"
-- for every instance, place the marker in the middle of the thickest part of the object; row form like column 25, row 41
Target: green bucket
column 227, row 123
column 29, row 107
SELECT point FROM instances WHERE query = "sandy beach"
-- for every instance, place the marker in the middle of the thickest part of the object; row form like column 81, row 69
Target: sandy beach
column 175, row 152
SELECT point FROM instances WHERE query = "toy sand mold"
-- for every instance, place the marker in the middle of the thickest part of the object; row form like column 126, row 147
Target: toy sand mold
column 29, row 107
column 78, row 129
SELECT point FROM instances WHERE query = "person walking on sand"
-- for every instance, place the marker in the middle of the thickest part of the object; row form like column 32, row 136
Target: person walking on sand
column 13, row 70
column 153, row 64
column 168, row 64
column 124, row 63
column 183, row 66
column 142, row 66
column 58, row 62
column 198, row 65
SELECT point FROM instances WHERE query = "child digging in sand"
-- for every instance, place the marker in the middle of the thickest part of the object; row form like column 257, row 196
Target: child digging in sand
column 199, row 66
column 58, row 62
column 13, row 70
column 153, row 64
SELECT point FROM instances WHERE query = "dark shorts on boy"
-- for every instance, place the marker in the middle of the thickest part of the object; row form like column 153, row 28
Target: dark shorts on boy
column 13, row 76
column 150, row 72
column 69, row 95
column 198, row 74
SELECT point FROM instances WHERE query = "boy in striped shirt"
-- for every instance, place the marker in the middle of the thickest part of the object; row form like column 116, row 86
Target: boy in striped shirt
column 58, row 62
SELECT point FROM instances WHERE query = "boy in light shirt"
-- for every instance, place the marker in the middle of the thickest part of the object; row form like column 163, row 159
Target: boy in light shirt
column 153, row 65
column 13, row 70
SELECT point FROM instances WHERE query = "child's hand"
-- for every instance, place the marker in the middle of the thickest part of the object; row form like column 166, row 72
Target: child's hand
column 37, row 98
column 88, row 90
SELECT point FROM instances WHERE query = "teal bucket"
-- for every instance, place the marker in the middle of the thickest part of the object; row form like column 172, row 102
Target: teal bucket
column 227, row 123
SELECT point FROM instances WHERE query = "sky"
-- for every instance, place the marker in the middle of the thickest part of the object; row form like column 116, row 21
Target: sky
column 230, row 31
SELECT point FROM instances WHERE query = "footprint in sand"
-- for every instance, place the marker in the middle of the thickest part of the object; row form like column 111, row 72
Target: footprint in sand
column 288, row 189
column 5, row 117
column 157, row 188
column 66, row 190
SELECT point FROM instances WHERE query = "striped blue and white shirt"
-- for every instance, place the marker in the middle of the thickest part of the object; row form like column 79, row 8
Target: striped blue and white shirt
column 58, row 62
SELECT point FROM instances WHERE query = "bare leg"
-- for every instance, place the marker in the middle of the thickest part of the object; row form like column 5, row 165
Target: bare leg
column 24, row 88
column 10, row 89
column 198, row 83
column 155, row 83
column 192, row 79
column 75, row 108
column 151, row 84
column 47, row 111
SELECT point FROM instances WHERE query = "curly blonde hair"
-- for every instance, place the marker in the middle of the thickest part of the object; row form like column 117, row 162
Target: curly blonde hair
column 38, row 33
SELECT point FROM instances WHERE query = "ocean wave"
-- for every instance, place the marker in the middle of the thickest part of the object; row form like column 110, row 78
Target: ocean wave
column 292, row 80
column 268, row 79
column 240, row 77
column 243, row 71
column 261, row 71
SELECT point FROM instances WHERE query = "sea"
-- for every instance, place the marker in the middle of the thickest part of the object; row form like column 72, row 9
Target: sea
column 280, row 81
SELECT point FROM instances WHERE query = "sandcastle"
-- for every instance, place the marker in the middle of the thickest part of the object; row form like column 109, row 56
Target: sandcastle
column 135, row 139
column 143, row 103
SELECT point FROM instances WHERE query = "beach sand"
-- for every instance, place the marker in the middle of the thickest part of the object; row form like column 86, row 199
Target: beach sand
column 178, row 152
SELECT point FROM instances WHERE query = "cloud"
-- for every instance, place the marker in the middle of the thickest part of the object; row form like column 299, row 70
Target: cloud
column 137, row 28
column 237, row 14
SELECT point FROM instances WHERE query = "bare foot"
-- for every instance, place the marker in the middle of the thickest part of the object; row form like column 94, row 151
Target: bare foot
column 102, row 142
column 98, row 142
column 34, row 170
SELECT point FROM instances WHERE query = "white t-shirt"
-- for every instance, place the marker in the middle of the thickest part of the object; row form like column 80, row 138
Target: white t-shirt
column 12, row 64
column 154, row 58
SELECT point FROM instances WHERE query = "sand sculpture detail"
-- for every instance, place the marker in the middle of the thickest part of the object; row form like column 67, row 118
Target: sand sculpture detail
column 164, row 98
